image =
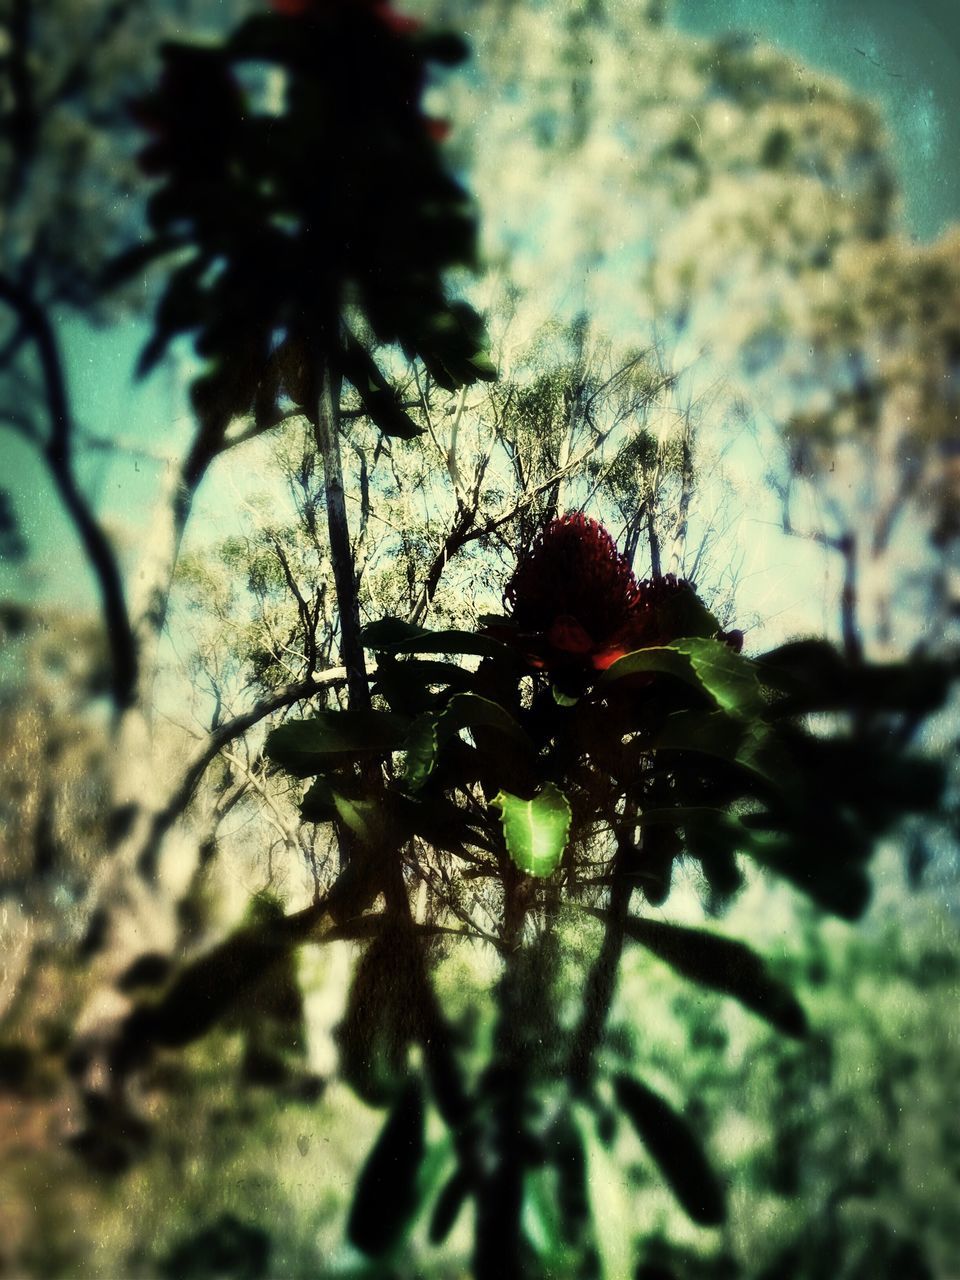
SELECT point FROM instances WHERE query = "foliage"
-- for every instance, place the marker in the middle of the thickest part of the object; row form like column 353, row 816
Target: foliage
column 570, row 785
column 518, row 782
column 287, row 213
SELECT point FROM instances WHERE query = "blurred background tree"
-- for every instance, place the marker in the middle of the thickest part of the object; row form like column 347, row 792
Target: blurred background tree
column 698, row 283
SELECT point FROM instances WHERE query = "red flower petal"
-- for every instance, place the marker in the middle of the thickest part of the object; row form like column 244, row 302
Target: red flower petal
column 437, row 130
column 398, row 23
column 567, row 635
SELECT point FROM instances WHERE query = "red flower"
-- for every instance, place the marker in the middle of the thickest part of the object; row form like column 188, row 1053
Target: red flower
column 435, row 129
column 397, row 23
column 574, row 602
column 573, row 598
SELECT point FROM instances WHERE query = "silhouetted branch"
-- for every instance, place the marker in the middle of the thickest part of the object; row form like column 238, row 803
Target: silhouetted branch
column 326, row 426
column 57, row 453
column 214, row 743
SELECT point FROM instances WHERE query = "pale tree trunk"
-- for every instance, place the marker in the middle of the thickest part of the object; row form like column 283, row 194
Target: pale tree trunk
column 678, row 541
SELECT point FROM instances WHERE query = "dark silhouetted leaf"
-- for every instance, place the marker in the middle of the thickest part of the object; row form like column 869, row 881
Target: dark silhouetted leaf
column 228, row 1247
column 429, row 732
column 133, row 261
column 816, row 677
column 414, row 685
column 749, row 744
column 306, row 747
column 400, row 637
column 673, row 1146
column 447, row 1209
column 386, row 1199
column 149, row 970
column 379, row 399
column 387, row 633
column 724, row 965
column 382, row 1016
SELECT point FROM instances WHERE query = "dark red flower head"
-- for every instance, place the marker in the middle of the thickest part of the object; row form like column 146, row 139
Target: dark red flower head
column 573, row 598
column 574, row 602
column 397, row 23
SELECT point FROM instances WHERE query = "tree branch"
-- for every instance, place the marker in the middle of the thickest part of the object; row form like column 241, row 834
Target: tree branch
column 326, row 425
column 57, row 452
column 213, row 744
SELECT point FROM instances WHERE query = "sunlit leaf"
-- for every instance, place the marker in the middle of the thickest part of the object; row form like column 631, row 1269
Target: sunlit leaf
column 543, row 1225
column 362, row 817
column 535, row 830
column 464, row 711
column 709, row 665
column 483, row 366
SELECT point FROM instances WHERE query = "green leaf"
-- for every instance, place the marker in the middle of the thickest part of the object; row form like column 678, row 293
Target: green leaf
column 535, row 830
column 396, row 636
column 724, row 965
column 543, row 1225
column 563, row 699
column 447, row 1209
column 709, row 665
column 327, row 802
column 751, row 745
column 464, row 711
column 387, row 632
column 362, row 817
column 306, row 747
column 676, row 1150
column 422, row 746
column 386, row 1196
column 483, row 366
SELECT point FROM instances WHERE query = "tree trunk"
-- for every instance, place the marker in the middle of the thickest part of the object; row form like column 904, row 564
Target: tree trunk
column 327, row 429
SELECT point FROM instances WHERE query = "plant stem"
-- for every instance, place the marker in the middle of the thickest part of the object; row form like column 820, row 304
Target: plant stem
column 601, row 982
column 498, row 1245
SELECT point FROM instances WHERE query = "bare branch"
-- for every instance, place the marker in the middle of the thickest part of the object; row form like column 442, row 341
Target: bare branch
column 57, row 452
column 276, row 817
column 210, row 748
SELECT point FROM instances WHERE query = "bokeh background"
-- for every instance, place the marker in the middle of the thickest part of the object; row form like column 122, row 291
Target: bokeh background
column 759, row 206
